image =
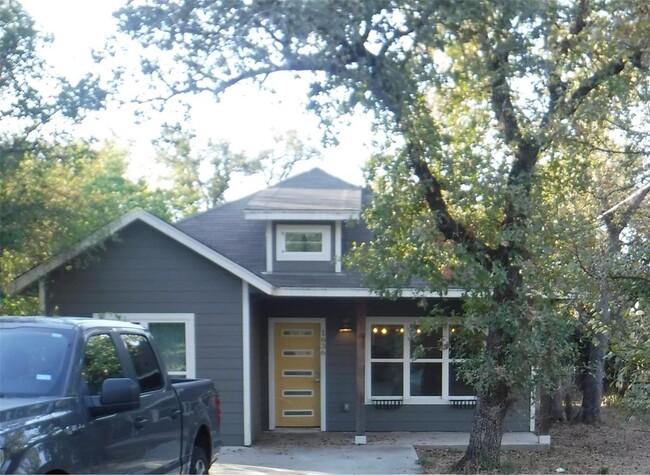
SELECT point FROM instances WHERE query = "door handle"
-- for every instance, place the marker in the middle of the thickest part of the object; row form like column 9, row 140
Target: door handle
column 139, row 422
column 175, row 413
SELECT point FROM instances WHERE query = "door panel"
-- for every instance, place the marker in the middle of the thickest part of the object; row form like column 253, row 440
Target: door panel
column 157, row 422
column 297, row 374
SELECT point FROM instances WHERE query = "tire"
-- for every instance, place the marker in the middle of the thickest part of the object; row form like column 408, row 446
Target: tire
column 199, row 462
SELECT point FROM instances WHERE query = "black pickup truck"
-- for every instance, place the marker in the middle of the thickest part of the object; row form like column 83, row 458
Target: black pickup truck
column 82, row 395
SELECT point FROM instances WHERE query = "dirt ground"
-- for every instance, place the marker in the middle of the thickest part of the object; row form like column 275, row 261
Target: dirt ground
column 615, row 446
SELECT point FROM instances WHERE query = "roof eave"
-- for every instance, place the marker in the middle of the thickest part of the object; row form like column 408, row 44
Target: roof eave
column 347, row 292
column 266, row 215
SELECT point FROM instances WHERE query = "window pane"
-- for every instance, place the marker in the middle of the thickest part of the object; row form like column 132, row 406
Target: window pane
column 171, row 341
column 387, row 379
column 144, row 360
column 458, row 387
column 32, row 361
column 426, row 379
column 387, row 341
column 303, row 242
column 100, row 362
column 426, row 345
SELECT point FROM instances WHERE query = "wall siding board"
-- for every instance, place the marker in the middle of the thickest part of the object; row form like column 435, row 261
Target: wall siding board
column 144, row 271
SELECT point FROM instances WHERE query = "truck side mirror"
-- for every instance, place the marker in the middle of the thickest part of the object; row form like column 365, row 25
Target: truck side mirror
column 118, row 395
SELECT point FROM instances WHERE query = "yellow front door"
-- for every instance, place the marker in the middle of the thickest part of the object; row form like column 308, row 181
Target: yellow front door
column 297, row 374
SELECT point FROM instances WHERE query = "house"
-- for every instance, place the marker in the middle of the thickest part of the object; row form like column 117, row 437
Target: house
column 254, row 295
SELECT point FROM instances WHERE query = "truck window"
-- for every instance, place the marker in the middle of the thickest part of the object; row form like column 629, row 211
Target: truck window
column 146, row 366
column 100, row 362
column 32, row 361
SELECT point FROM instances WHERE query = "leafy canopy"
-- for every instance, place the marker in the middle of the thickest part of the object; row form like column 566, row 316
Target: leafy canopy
column 481, row 107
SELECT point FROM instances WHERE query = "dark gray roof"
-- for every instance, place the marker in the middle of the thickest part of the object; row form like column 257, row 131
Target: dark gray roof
column 317, row 179
column 312, row 199
column 310, row 193
column 226, row 230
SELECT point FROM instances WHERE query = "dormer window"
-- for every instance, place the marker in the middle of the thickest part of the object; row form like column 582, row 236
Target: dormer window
column 303, row 242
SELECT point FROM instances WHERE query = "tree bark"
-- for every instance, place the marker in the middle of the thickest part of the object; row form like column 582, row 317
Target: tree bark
column 483, row 451
column 592, row 389
column 594, row 374
column 557, row 404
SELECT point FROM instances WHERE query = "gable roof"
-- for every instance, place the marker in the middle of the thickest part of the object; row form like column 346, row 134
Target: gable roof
column 225, row 237
column 28, row 278
column 226, row 229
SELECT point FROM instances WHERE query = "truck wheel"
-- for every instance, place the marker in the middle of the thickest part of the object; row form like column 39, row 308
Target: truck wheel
column 199, row 462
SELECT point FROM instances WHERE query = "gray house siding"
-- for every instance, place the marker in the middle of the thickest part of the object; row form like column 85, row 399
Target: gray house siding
column 144, row 271
column 341, row 376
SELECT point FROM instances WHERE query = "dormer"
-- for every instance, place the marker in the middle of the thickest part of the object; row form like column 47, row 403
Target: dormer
column 304, row 222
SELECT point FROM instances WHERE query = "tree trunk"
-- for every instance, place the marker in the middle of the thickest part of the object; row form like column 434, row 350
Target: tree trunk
column 568, row 406
column 594, row 375
column 557, row 404
column 483, row 451
column 593, row 381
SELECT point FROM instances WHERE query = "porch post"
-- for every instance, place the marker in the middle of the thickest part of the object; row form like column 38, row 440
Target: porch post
column 246, row 363
column 360, row 438
column 544, row 417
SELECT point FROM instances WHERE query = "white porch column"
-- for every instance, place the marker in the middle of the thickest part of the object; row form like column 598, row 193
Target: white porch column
column 246, row 363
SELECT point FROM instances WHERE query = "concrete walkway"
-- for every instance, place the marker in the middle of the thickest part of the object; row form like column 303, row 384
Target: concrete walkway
column 335, row 453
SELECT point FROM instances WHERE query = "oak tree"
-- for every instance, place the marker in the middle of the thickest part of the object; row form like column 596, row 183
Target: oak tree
column 475, row 101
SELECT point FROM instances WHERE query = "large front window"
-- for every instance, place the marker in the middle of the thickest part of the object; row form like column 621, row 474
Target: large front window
column 415, row 365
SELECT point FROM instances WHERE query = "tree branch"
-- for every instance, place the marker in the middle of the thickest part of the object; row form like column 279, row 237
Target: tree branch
column 589, row 84
column 556, row 86
column 447, row 225
column 636, row 200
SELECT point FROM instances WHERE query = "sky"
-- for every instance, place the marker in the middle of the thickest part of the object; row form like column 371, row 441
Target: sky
column 246, row 117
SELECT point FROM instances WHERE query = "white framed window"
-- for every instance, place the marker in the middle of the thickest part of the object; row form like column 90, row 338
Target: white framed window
column 407, row 364
column 303, row 242
column 175, row 338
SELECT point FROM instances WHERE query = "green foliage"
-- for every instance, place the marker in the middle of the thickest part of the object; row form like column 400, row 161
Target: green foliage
column 32, row 95
column 52, row 196
column 491, row 112
column 200, row 177
column 632, row 353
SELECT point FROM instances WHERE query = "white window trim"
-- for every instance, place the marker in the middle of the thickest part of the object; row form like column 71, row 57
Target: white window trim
column 407, row 399
column 145, row 319
column 283, row 255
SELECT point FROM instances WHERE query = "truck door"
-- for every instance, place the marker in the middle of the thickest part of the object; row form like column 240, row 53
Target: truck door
column 158, row 421
column 105, row 442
